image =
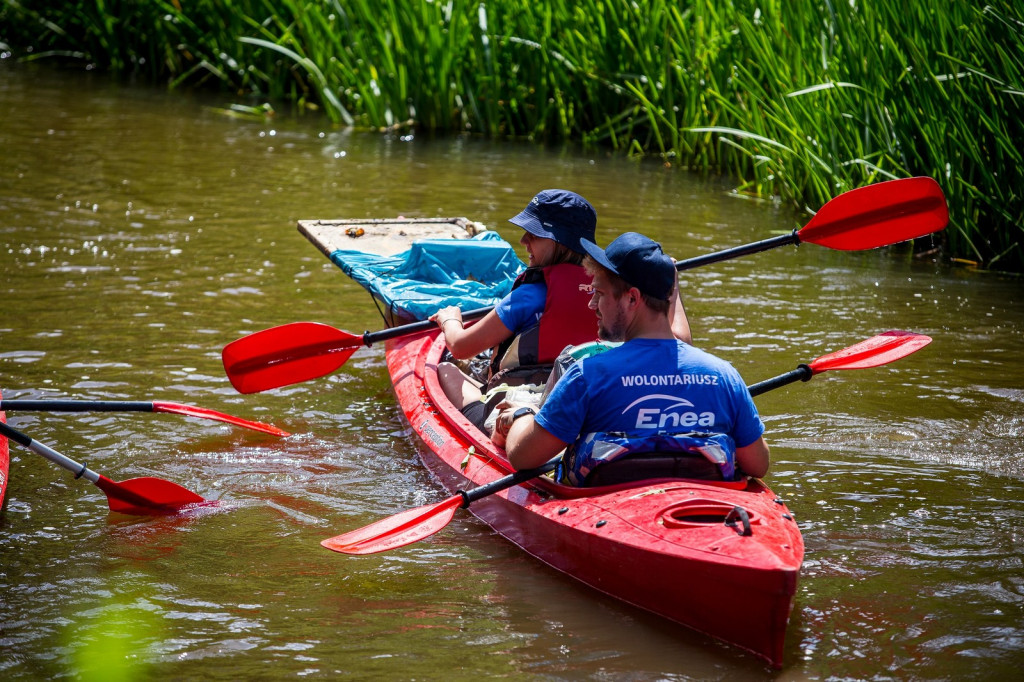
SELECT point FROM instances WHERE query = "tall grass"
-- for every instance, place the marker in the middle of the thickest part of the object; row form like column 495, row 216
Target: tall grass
column 799, row 99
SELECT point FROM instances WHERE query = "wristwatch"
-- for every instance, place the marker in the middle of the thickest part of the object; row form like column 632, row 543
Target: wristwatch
column 523, row 411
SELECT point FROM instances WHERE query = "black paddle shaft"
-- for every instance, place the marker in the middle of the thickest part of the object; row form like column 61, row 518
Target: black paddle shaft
column 736, row 252
column 17, row 436
column 505, row 482
column 370, row 338
column 76, row 406
column 801, row 373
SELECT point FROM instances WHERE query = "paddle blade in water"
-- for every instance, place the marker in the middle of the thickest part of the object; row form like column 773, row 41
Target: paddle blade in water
column 396, row 531
column 146, row 496
column 879, row 215
column 203, row 413
column 287, row 355
column 878, row 350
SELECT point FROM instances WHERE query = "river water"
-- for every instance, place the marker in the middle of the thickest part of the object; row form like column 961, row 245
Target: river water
column 141, row 231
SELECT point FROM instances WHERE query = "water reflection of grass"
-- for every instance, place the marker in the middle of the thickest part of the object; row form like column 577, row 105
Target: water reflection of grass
column 116, row 641
column 801, row 99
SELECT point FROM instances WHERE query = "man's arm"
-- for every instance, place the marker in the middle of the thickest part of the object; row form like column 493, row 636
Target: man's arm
column 528, row 444
column 465, row 342
column 677, row 316
column 754, row 459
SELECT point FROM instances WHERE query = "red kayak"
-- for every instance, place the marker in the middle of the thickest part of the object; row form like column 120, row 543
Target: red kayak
column 721, row 558
column 5, row 461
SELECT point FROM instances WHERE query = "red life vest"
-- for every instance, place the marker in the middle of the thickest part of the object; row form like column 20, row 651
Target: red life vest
column 567, row 319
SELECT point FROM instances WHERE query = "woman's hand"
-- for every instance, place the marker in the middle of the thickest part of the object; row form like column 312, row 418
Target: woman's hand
column 445, row 315
column 465, row 342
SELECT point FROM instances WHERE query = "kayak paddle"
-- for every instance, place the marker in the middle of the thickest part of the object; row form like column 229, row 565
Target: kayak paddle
column 879, row 350
column 414, row 525
column 141, row 496
column 864, row 218
column 136, row 406
column 300, row 351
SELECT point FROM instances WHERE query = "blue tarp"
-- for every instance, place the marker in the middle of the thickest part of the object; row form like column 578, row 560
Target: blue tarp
column 434, row 273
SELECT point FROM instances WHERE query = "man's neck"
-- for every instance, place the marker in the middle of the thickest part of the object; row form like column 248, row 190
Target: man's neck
column 649, row 325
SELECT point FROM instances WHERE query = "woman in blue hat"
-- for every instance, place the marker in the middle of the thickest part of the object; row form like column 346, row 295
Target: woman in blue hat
column 546, row 310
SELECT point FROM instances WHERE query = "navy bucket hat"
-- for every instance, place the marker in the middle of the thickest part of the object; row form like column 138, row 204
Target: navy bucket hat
column 639, row 261
column 561, row 215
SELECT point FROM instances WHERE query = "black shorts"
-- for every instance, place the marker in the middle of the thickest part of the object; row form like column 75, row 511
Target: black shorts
column 476, row 412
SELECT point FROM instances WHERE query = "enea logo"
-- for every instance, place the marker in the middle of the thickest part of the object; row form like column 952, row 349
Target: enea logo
column 660, row 411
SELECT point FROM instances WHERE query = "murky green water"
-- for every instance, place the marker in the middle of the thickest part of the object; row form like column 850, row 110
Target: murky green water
column 140, row 232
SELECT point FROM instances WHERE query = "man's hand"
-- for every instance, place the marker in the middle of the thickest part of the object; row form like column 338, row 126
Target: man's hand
column 503, row 422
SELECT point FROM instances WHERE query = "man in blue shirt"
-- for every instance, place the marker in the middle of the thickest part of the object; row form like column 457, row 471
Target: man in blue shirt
column 653, row 383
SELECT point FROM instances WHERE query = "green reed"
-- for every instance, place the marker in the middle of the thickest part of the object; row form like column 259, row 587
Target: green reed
column 799, row 99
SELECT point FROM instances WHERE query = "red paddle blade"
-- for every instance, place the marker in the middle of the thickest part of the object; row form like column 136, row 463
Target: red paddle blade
column 285, row 355
column 879, row 215
column 878, row 350
column 146, row 496
column 203, row 413
column 396, row 531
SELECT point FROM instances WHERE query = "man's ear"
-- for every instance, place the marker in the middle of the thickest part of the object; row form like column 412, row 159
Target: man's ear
column 634, row 296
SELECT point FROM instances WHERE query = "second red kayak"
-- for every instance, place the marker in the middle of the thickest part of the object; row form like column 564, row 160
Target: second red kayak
column 5, row 461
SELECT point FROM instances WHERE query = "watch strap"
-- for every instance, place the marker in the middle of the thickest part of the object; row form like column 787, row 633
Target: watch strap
column 522, row 412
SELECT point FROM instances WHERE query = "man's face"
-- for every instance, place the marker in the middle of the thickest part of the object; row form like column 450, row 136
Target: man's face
column 611, row 311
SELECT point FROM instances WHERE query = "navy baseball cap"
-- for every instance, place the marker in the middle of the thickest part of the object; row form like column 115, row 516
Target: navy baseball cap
column 561, row 215
column 639, row 261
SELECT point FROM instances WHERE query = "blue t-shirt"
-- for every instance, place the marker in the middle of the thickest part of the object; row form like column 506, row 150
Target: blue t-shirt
column 650, row 385
column 522, row 307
